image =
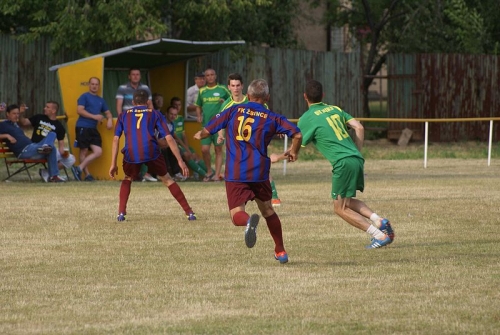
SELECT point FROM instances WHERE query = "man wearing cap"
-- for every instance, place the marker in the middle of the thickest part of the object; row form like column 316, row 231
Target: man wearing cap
column 192, row 94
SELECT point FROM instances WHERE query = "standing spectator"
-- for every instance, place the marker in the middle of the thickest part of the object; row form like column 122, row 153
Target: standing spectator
column 235, row 86
column 192, row 94
column 249, row 130
column 209, row 101
column 42, row 125
column 326, row 126
column 188, row 153
column 90, row 109
column 125, row 94
column 124, row 101
column 139, row 125
column 23, row 148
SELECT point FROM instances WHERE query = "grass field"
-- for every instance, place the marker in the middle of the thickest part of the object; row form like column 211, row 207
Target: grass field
column 67, row 267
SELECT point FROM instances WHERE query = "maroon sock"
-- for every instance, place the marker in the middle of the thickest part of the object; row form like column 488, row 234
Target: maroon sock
column 124, row 193
column 240, row 218
column 274, row 225
column 179, row 196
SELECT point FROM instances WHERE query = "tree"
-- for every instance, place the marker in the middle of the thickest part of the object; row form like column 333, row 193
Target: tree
column 93, row 26
column 255, row 21
column 85, row 26
column 367, row 22
column 414, row 26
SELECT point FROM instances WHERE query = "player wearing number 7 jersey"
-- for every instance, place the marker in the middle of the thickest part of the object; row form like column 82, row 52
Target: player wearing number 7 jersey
column 250, row 128
column 326, row 127
column 140, row 125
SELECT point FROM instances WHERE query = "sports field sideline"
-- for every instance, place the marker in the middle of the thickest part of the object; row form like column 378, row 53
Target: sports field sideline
column 67, row 266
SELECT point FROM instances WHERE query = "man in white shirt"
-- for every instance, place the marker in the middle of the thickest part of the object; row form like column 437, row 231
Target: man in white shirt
column 192, row 94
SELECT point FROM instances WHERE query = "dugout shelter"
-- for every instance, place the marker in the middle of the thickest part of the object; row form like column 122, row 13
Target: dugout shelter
column 164, row 65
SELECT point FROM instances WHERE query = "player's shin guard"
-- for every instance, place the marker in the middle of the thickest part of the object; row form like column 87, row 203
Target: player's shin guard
column 274, row 225
column 124, row 194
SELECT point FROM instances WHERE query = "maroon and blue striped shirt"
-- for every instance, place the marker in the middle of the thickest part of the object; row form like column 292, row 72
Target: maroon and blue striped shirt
column 250, row 127
column 139, row 125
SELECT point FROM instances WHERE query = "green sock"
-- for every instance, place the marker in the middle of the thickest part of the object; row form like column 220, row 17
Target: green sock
column 275, row 192
column 196, row 168
column 144, row 170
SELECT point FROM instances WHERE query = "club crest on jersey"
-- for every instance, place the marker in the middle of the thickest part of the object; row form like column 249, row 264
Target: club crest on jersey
column 216, row 94
column 218, row 114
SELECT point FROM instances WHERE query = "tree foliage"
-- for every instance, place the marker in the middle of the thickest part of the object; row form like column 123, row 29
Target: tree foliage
column 378, row 27
column 82, row 25
column 91, row 26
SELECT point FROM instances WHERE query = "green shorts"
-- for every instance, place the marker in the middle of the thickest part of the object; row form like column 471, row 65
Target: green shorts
column 348, row 177
column 182, row 150
column 211, row 139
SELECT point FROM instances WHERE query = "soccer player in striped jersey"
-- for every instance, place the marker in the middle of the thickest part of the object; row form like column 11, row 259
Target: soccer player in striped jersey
column 250, row 128
column 139, row 124
column 235, row 86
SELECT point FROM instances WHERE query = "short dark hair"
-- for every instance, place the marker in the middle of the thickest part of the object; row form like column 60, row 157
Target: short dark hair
column 234, row 76
column 55, row 103
column 133, row 68
column 11, row 107
column 174, row 99
column 314, row 91
column 141, row 97
column 155, row 96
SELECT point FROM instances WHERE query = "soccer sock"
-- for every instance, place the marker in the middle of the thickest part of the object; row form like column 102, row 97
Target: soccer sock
column 124, row 193
column 179, row 196
column 240, row 218
column 202, row 164
column 196, row 168
column 375, row 219
column 143, row 171
column 274, row 226
column 375, row 232
column 275, row 192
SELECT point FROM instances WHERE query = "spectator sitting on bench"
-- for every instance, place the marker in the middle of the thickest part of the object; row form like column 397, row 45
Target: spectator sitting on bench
column 42, row 125
column 23, row 148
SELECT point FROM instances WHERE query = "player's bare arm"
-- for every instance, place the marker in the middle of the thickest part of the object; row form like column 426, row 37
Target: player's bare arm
column 359, row 133
column 294, row 149
column 113, row 169
column 201, row 134
column 175, row 150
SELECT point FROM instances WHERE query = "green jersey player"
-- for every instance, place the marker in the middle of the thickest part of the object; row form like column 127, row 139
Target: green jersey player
column 326, row 126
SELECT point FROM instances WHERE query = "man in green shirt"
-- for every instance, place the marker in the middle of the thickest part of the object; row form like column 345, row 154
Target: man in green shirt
column 188, row 153
column 208, row 104
column 326, row 127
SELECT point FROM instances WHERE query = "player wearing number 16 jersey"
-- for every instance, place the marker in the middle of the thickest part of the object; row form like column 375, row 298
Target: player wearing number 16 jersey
column 326, row 127
column 249, row 129
column 140, row 124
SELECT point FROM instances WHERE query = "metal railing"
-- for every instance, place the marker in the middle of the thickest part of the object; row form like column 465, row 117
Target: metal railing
column 426, row 135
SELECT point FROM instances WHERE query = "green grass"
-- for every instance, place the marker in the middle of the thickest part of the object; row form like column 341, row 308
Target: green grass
column 67, row 267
